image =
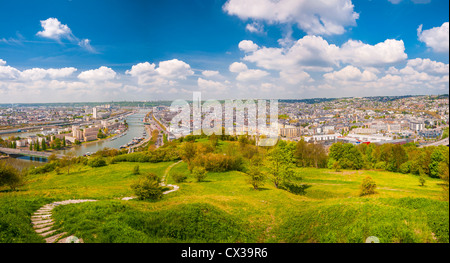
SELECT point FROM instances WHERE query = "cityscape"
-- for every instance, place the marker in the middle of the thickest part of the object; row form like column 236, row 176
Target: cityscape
column 224, row 129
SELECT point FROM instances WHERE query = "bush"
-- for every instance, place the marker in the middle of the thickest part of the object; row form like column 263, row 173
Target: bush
column 368, row 186
column 178, row 177
column 147, row 187
column 405, row 167
column 10, row 176
column 422, row 180
column 44, row 168
column 217, row 162
column 136, row 170
column 199, row 173
column 380, row 166
column 97, row 162
column 257, row 177
column 295, row 188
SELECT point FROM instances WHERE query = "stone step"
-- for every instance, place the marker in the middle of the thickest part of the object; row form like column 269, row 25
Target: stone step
column 42, row 230
column 54, row 238
column 47, row 233
column 41, row 216
column 41, row 221
column 66, row 240
column 37, row 213
column 43, row 225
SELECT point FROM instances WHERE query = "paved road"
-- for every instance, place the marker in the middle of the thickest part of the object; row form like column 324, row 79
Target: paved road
column 28, row 152
column 441, row 142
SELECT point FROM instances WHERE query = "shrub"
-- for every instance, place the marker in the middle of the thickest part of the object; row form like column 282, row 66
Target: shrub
column 257, row 177
column 179, row 177
column 422, row 180
column 10, row 176
column 199, row 173
column 217, row 162
column 368, row 186
column 97, row 162
column 380, row 166
column 136, row 170
column 295, row 187
column 147, row 187
column 405, row 167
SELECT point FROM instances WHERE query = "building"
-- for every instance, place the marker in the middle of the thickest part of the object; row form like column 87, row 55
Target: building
column 90, row 134
column 291, row 132
column 416, row 126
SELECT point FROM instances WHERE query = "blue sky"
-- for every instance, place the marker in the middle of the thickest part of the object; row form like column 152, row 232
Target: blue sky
column 56, row 51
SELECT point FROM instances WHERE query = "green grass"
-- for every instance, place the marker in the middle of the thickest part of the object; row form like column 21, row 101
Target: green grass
column 225, row 208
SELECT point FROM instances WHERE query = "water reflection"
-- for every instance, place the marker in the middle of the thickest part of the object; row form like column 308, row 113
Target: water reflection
column 24, row 162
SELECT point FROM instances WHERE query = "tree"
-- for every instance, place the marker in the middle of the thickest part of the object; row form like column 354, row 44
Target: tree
column 188, row 152
column 44, row 144
column 10, row 176
column 136, row 170
column 67, row 160
column 422, row 180
column 199, row 173
column 280, row 162
column 147, row 187
column 256, row 176
column 368, row 186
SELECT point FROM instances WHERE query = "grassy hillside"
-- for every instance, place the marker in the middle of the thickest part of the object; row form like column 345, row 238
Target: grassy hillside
column 225, row 208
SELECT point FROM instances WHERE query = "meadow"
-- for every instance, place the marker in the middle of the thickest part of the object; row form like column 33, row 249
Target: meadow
column 226, row 208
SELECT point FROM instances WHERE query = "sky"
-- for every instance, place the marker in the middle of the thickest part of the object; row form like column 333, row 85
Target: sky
column 111, row 50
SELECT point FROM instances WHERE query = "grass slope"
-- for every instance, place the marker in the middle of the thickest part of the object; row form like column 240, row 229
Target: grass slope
column 225, row 208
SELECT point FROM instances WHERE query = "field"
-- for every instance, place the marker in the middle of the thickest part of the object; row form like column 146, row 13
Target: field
column 225, row 208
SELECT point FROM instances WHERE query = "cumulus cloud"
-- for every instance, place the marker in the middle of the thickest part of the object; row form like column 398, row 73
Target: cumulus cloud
column 248, row 46
column 165, row 74
column 101, row 74
column 174, row 69
column 437, row 38
column 2, row 62
column 313, row 17
column 54, row 29
column 350, row 73
column 315, row 53
column 211, row 86
column 255, row 27
column 52, row 73
column 210, row 73
column 8, row 72
column 237, row 67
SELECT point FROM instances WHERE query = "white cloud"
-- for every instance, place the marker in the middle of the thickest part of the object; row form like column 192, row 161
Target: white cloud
column 8, row 72
column 350, row 73
column 52, row 73
column 315, row 53
column 54, row 29
column 211, row 86
column 248, row 46
column 429, row 66
column 437, row 38
column 165, row 74
column 101, row 74
column 237, row 67
column 210, row 73
column 255, row 27
column 2, row 62
column 388, row 52
column 174, row 69
column 313, row 17
column 252, row 74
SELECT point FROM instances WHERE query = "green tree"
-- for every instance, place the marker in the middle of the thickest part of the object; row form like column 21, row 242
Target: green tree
column 199, row 173
column 10, row 176
column 44, row 144
column 136, row 170
column 280, row 162
column 188, row 151
column 256, row 176
column 147, row 187
column 368, row 186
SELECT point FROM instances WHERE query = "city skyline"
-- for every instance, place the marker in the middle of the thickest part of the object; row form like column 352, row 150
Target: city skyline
column 78, row 51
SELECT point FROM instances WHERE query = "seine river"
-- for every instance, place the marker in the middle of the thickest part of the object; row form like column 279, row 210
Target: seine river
column 136, row 128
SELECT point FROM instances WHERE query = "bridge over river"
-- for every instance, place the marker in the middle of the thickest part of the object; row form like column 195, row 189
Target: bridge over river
column 44, row 154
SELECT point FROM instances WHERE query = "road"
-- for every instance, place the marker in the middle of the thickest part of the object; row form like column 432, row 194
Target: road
column 28, row 152
column 441, row 142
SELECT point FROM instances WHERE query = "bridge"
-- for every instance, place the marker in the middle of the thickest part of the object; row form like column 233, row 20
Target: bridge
column 441, row 142
column 11, row 151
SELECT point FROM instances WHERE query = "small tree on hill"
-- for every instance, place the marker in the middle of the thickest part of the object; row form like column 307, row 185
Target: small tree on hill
column 147, row 187
column 368, row 186
column 199, row 173
column 10, row 176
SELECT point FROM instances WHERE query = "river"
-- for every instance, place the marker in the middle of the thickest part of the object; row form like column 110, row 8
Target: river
column 136, row 128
